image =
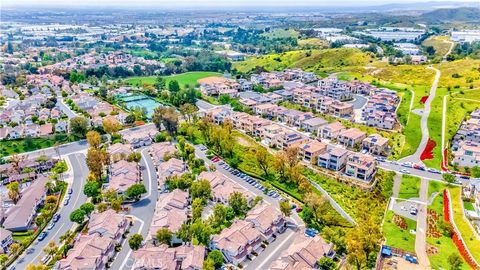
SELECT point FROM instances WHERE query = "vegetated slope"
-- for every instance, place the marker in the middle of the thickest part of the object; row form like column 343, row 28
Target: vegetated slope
column 314, row 60
column 463, row 14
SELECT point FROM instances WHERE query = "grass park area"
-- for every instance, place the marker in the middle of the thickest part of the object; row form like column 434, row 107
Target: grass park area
column 410, row 187
column 397, row 236
column 444, row 244
column 188, row 78
column 9, row 147
column 468, row 235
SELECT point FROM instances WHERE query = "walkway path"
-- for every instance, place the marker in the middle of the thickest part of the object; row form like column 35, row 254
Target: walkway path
column 421, row 235
column 415, row 158
column 397, row 181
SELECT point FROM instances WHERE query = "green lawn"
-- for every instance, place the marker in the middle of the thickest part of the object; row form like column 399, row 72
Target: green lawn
column 183, row 79
column 468, row 206
column 463, row 226
column 410, row 187
column 397, row 237
column 444, row 244
column 10, row 147
column 435, row 186
column 281, row 33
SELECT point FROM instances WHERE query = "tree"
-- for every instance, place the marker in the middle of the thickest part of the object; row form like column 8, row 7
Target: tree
column 91, row 189
column 197, row 208
column 173, row 86
column 102, row 207
column 208, row 264
column 238, row 202
column 79, row 126
column 160, row 83
column 475, row 172
column 217, row 257
column 134, row 157
column 32, row 266
column 164, row 236
column 135, row 191
column 94, row 139
column 13, row 191
column 96, row 160
column 285, row 208
column 14, row 248
column 130, row 119
column 88, row 208
column 166, row 116
column 3, row 259
column 111, row 125
column 135, row 241
column 67, row 237
column 219, row 215
column 291, row 154
column 60, row 167
column 262, row 158
column 116, row 204
column 77, row 216
column 201, row 189
column 455, row 261
column 326, row 263
column 449, row 178
column 51, row 248
column 188, row 111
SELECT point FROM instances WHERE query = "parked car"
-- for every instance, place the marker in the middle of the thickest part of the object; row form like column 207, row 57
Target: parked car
column 42, row 236
column 56, row 217
column 51, row 225
column 404, row 171
column 30, row 251
column 66, row 201
column 70, row 191
column 46, row 259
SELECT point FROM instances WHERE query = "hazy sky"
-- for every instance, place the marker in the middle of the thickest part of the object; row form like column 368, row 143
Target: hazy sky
column 207, row 3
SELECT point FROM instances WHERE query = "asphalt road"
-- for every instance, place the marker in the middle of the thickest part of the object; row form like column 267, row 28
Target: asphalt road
column 80, row 172
column 65, row 108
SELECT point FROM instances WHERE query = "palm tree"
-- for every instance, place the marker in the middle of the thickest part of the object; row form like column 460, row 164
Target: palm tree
column 49, row 187
column 67, row 237
column 14, row 191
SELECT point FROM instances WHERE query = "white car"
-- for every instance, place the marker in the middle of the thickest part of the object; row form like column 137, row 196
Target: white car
column 404, row 171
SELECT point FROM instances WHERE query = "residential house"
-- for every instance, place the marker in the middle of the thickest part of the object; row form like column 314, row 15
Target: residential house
column 119, row 151
column 108, row 224
column 20, row 216
column 311, row 150
column 170, row 168
column 267, row 219
column 288, row 138
column 5, row 240
column 123, row 174
column 352, row 137
column 467, row 154
column 304, row 253
column 222, row 187
column 333, row 159
column 237, row 241
column 186, row 257
column 375, row 144
column 330, row 131
column 361, row 166
column 159, row 150
column 313, row 125
column 139, row 136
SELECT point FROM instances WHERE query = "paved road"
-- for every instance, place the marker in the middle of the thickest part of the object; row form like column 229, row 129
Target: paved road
column 421, row 234
column 358, row 101
column 80, row 172
column 65, row 109
column 142, row 212
column 424, row 121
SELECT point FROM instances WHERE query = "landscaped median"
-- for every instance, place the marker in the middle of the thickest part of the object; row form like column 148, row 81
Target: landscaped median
column 397, row 231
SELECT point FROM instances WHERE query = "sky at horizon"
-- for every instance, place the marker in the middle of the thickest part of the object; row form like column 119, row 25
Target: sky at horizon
column 207, row 3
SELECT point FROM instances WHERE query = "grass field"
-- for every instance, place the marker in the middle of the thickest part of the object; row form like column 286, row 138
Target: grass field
column 183, row 79
column 313, row 43
column 473, row 244
column 444, row 244
column 439, row 44
column 319, row 61
column 410, row 187
column 26, row 145
column 397, row 237
column 463, row 73
column 435, row 187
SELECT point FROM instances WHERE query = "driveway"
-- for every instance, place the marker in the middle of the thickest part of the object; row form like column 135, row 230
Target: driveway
column 80, row 171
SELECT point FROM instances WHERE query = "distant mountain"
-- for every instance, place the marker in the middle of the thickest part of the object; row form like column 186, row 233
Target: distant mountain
column 463, row 14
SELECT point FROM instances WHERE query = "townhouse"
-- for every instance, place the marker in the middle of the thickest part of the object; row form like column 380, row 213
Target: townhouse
column 219, row 114
column 380, row 110
column 237, row 242
column 310, row 151
column 288, row 138
column 93, row 250
column 375, row 144
column 267, row 219
column 333, row 159
column 333, row 88
column 360, row 166
column 139, row 136
column 248, row 123
column 170, row 212
column 188, row 257
column 351, row 137
column 123, row 174
column 20, row 216
column 119, row 151
column 303, row 253
column 269, row 132
column 223, row 187
column 172, row 167
column 313, row 125
column 158, row 151
column 219, row 86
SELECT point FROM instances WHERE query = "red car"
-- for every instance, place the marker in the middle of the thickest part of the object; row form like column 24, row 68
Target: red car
column 298, row 209
column 215, row 159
